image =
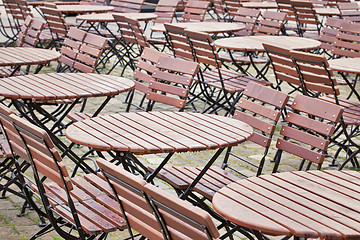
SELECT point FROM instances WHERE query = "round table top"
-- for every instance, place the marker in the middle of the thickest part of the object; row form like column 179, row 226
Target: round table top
column 254, row 43
column 348, row 65
column 55, row 86
column 311, row 204
column 208, row 27
column 80, row 9
column 42, row 3
column 158, row 132
column 18, row 56
column 108, row 17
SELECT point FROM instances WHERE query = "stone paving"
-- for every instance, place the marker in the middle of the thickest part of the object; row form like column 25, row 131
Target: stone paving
column 13, row 227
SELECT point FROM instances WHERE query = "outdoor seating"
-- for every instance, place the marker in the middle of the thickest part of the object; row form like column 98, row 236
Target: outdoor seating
column 246, row 16
column 261, row 108
column 154, row 213
column 349, row 11
column 195, row 11
column 271, row 23
column 66, row 206
column 125, row 6
column 307, row 21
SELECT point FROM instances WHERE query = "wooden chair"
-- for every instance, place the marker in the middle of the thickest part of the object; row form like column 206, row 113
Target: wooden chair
column 221, row 87
column 347, row 41
column 195, row 10
column 56, row 23
column 261, row 108
column 307, row 21
column 28, row 36
column 69, row 203
column 125, row 6
column 178, row 41
column 165, row 11
column 290, row 27
column 154, row 213
column 248, row 17
column 232, row 6
column 317, row 80
column 308, row 131
column 18, row 11
column 328, row 34
column 145, row 67
column 81, row 51
column 171, row 82
column 271, row 23
column 349, row 11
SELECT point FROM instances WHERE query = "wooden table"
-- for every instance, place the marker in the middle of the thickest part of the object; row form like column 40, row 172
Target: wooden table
column 159, row 132
column 82, row 9
column 311, row 204
column 30, row 93
column 21, row 56
column 208, row 27
column 344, row 66
column 253, row 44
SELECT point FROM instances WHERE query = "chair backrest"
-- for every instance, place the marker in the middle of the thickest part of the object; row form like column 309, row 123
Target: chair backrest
column 29, row 33
column 125, row 6
column 179, row 44
column 56, row 22
column 138, row 32
column 247, row 16
column 308, row 131
column 18, row 10
column 271, row 23
column 144, row 69
column 125, row 29
column 220, row 10
column 165, row 11
column 181, row 219
column 328, row 33
column 306, row 17
column 81, row 50
column 153, row 213
column 347, row 41
column 285, row 6
column 283, row 67
column 203, row 48
column 261, row 108
column 349, row 11
column 129, row 192
column 171, row 82
column 195, row 10
column 232, row 6
column 314, row 73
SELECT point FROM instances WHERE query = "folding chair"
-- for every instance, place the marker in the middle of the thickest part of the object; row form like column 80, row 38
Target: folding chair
column 290, row 26
column 328, row 34
column 74, row 213
column 308, row 131
column 221, row 87
column 307, row 22
column 349, row 11
column 317, row 81
column 195, row 11
column 270, row 24
column 125, row 6
column 248, row 17
column 154, row 213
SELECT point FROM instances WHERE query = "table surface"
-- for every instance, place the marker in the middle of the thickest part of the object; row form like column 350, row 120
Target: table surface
column 80, row 9
column 159, row 132
column 209, row 27
column 18, row 56
column 108, row 17
column 348, row 65
column 309, row 204
column 42, row 3
column 55, row 86
column 254, row 43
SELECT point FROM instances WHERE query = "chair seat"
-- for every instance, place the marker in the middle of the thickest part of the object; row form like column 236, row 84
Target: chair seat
column 181, row 177
column 6, row 72
column 95, row 216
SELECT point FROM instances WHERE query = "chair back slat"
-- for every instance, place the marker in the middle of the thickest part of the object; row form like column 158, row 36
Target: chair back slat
column 347, row 41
